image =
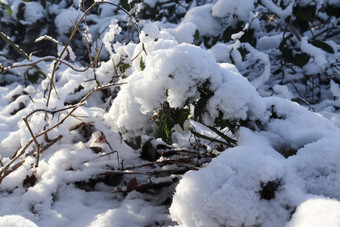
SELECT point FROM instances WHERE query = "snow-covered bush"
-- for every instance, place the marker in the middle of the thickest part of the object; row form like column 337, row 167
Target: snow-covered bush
column 179, row 77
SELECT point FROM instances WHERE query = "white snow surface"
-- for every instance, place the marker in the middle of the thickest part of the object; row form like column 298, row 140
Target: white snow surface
column 289, row 145
column 202, row 17
column 317, row 212
column 241, row 8
column 228, row 191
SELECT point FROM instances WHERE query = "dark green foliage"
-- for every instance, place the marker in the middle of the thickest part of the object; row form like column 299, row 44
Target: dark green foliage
column 141, row 64
column 166, row 118
column 6, row 7
column 305, row 13
column 200, row 105
column 34, row 77
column 324, row 46
column 247, row 37
column 291, row 54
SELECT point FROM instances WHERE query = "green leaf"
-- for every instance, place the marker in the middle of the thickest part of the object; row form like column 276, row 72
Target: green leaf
column 200, row 105
column 33, row 78
column 306, row 14
column 21, row 11
column 222, row 135
column 181, row 116
column 324, row 46
column 197, row 34
column 211, row 139
column 7, row 8
column 126, row 66
column 301, row 59
column 164, row 129
column 15, row 46
column 142, row 64
column 228, row 32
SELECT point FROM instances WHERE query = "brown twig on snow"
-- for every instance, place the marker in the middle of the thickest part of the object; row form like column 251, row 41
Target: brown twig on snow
column 74, row 108
column 35, row 141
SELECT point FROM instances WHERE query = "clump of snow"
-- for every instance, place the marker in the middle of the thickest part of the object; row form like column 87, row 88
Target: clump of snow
column 132, row 212
column 283, row 13
column 269, row 42
column 240, row 8
column 184, row 32
column 282, row 91
column 227, row 191
column 221, row 52
column 16, row 221
column 201, row 16
column 109, row 36
column 317, row 212
column 33, row 12
column 318, row 54
column 66, row 19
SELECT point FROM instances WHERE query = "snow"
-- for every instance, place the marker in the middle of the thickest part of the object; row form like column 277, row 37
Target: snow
column 283, row 13
column 66, row 20
column 33, row 12
column 228, row 191
column 184, row 32
column 317, row 212
column 240, row 8
column 269, row 42
column 282, row 91
column 316, row 53
column 16, row 221
column 203, row 19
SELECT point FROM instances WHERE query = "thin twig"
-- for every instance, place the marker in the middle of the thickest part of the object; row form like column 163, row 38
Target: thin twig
column 75, row 107
column 74, row 30
column 46, row 59
column 35, row 141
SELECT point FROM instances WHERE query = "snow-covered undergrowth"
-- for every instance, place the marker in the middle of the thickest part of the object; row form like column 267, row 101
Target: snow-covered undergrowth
column 252, row 184
column 166, row 131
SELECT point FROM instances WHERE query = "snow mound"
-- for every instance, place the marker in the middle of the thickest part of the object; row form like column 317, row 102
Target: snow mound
column 174, row 73
column 16, row 221
column 317, row 212
column 252, row 184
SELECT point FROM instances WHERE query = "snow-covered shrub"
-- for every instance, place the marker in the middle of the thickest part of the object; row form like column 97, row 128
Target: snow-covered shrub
column 179, row 77
column 254, row 185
